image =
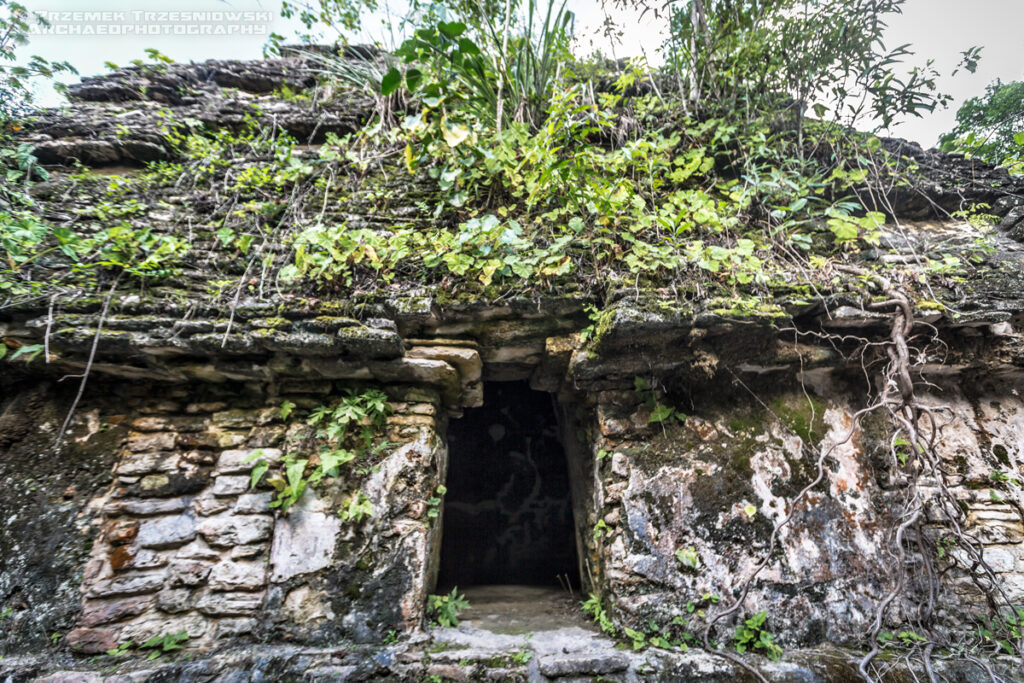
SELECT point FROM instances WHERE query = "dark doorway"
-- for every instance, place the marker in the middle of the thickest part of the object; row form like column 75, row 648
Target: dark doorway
column 508, row 514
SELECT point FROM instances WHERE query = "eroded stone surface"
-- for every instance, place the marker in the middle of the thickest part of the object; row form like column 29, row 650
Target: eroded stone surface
column 304, row 541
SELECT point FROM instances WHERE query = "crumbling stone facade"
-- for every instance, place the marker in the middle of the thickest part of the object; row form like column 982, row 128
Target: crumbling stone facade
column 145, row 521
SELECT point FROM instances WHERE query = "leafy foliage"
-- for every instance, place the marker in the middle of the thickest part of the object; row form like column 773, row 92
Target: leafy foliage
column 340, row 434
column 445, row 609
column 660, row 412
column 161, row 645
column 37, row 255
column 753, row 635
column 15, row 71
column 787, row 56
column 991, row 127
column 158, row 645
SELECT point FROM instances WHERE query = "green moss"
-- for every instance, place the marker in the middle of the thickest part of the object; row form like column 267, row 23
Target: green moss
column 445, row 646
column 270, row 322
column 333, row 322
column 605, row 323
column 805, row 415
column 752, row 422
column 1001, row 455
column 745, row 307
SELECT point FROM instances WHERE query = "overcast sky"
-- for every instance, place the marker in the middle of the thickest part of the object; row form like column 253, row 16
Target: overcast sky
column 939, row 29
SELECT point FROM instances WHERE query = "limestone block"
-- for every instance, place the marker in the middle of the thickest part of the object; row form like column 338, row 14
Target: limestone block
column 613, row 493
column 620, row 465
column 209, row 439
column 238, row 576
column 266, row 437
column 162, row 441
column 197, row 550
column 210, row 407
column 167, row 532
column 369, row 342
column 233, row 628
column 89, row 641
column 233, row 461
column 167, row 424
column 229, row 604
column 235, row 419
column 550, row 373
column 125, row 557
column 993, row 531
column 175, row 600
column 304, row 605
column 253, row 503
column 583, row 663
column 145, row 507
column 146, row 463
column 230, row 439
column 154, row 482
column 188, row 572
column 230, row 484
column 244, row 552
column 207, row 505
column 122, row 532
column 468, row 363
column 228, row 531
column 1000, row 559
column 304, row 540
column 99, row 612
column 184, row 481
column 72, row 677
column 133, row 584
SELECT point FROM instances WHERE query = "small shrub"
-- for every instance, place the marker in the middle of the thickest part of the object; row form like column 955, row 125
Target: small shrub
column 445, row 609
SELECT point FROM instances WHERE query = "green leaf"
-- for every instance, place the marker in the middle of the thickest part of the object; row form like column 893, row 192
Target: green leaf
column 31, row 350
column 389, row 84
column 844, row 231
column 661, row 412
column 286, row 409
column 454, row 133
column 413, row 78
column 258, row 470
column 451, row 29
column 258, row 453
column 468, row 47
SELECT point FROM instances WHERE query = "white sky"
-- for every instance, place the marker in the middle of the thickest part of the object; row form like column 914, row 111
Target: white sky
column 939, row 29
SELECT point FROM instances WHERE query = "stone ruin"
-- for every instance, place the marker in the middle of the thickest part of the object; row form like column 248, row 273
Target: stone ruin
column 521, row 449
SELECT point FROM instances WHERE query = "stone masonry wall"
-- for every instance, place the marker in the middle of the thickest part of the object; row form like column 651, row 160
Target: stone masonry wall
column 186, row 545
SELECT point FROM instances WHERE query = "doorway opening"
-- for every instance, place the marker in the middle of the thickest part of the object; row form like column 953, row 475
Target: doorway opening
column 508, row 515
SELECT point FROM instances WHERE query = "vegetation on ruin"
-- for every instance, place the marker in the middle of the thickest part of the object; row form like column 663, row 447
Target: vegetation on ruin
column 496, row 163
column 991, row 127
column 333, row 438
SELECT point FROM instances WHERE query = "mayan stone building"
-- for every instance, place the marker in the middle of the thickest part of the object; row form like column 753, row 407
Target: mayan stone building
column 211, row 483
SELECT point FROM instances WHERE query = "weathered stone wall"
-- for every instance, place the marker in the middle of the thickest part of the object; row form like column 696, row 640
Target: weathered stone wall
column 48, row 524
column 179, row 541
column 666, row 487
